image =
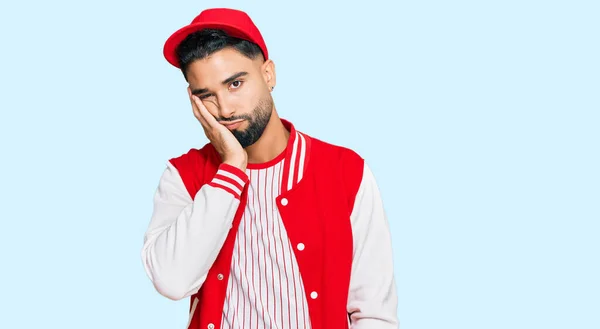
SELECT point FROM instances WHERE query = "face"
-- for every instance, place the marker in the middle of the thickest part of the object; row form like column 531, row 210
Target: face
column 236, row 90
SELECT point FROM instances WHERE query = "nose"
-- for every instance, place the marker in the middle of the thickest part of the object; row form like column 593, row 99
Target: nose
column 226, row 108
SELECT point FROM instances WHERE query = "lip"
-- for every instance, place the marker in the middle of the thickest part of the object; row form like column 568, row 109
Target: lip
column 232, row 125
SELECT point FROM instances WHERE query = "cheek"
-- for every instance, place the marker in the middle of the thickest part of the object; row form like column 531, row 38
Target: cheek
column 249, row 96
column 244, row 100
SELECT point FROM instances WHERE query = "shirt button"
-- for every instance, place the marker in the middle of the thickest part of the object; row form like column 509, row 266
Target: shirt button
column 314, row 295
column 284, row 201
column 220, row 276
column 300, row 246
column 211, row 326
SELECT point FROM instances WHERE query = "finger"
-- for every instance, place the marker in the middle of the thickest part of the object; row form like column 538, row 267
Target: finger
column 210, row 120
column 193, row 103
column 196, row 104
column 196, row 110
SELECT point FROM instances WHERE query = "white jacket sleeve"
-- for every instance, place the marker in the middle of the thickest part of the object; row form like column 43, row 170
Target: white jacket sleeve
column 372, row 299
column 185, row 236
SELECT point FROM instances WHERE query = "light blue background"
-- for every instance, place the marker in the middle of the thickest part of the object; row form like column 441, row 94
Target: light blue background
column 480, row 120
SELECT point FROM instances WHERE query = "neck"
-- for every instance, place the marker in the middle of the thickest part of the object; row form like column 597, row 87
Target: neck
column 272, row 142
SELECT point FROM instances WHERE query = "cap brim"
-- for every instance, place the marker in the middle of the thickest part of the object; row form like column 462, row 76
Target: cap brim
column 176, row 38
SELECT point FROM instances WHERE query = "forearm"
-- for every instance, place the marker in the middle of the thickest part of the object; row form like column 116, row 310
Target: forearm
column 185, row 236
column 372, row 301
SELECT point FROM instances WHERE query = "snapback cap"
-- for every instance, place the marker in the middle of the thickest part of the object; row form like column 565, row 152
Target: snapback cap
column 234, row 22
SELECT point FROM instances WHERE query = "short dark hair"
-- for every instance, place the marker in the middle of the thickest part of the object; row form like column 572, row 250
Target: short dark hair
column 202, row 43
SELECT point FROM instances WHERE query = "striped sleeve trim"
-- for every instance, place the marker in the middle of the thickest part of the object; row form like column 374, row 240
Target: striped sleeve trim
column 231, row 179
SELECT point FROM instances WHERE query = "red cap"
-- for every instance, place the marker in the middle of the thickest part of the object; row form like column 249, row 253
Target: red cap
column 234, row 22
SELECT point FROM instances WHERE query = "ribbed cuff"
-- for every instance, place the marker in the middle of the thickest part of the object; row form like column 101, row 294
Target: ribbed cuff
column 231, row 179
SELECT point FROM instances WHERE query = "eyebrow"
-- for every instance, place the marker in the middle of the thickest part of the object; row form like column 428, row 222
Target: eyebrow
column 225, row 82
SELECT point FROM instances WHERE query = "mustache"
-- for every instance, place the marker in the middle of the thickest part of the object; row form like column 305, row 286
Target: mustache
column 250, row 116
column 234, row 118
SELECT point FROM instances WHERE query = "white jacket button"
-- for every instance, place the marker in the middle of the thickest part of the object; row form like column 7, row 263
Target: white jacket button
column 284, row 202
column 300, row 246
column 220, row 276
column 314, row 295
column 211, row 326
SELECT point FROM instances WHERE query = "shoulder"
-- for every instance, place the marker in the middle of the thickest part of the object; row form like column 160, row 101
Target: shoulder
column 194, row 167
column 335, row 154
column 341, row 162
column 194, row 158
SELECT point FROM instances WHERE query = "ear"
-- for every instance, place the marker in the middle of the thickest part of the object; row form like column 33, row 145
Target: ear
column 268, row 70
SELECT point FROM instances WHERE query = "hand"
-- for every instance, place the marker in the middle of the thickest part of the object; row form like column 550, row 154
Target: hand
column 221, row 138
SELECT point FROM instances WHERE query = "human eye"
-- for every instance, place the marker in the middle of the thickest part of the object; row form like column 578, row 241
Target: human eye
column 236, row 84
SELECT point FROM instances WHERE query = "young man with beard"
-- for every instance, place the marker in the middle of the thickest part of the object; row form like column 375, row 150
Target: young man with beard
column 265, row 226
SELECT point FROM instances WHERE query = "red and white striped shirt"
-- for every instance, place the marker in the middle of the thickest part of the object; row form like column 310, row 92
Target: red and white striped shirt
column 265, row 289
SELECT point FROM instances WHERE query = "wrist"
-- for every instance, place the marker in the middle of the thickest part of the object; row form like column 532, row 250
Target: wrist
column 231, row 179
column 241, row 164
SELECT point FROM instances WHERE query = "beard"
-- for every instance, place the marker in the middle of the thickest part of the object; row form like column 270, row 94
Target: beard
column 257, row 122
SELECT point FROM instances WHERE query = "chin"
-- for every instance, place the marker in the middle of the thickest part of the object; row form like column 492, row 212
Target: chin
column 239, row 130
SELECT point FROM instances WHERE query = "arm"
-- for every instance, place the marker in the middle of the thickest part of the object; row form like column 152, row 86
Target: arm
column 185, row 236
column 372, row 300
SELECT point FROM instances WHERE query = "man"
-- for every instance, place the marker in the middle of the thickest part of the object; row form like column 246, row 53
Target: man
column 265, row 226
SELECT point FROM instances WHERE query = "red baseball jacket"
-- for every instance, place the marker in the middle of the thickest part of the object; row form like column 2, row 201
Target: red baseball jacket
column 322, row 184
